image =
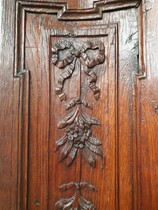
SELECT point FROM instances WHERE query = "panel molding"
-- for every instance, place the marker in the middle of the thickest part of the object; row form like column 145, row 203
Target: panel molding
column 21, row 83
column 23, row 75
column 63, row 13
column 111, row 33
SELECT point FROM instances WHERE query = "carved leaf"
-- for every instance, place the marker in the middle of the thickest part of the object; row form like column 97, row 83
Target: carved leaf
column 68, row 120
column 64, row 203
column 86, row 205
column 88, row 186
column 61, row 141
column 80, row 123
column 65, row 150
column 71, row 156
column 89, row 157
column 95, row 149
column 89, row 120
column 93, row 140
column 77, row 201
column 65, row 187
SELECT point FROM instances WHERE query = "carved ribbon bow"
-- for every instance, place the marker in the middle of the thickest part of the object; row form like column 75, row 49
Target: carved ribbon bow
column 70, row 60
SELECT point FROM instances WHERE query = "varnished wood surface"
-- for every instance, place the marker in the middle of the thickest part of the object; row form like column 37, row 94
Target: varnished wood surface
column 147, row 115
column 30, row 112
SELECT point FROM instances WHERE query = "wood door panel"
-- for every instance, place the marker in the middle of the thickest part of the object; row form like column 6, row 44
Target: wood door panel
column 45, row 173
column 83, row 169
column 30, row 109
column 72, row 66
column 67, row 61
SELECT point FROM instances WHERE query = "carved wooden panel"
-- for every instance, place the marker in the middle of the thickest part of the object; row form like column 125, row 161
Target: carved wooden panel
column 80, row 57
column 78, row 125
column 68, row 133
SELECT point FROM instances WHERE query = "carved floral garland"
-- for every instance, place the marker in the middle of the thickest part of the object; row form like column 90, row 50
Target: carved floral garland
column 79, row 137
column 78, row 125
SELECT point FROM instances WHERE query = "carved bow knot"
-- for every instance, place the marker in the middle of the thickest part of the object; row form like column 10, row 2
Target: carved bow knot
column 70, row 54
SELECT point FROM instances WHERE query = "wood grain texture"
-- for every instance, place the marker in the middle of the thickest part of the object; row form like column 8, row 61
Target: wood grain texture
column 57, row 109
column 8, row 170
column 41, row 158
column 65, row 13
column 147, row 97
column 31, row 174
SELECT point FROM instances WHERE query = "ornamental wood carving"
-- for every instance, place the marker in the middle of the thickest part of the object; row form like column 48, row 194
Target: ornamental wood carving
column 77, row 57
column 77, row 201
column 73, row 53
column 78, row 137
column 78, row 125
column 62, row 56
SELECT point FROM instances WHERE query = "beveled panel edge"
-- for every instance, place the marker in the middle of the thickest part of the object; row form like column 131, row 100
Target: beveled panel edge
column 49, row 8
column 65, row 14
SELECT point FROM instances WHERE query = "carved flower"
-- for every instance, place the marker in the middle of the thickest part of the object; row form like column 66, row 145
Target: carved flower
column 78, row 137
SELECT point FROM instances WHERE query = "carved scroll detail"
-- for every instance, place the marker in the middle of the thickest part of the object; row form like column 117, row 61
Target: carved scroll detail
column 77, row 201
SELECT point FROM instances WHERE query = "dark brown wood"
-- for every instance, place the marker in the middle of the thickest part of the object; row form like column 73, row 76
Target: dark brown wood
column 78, row 105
